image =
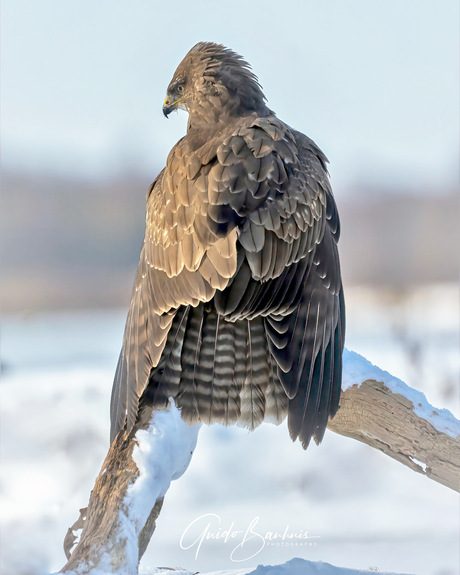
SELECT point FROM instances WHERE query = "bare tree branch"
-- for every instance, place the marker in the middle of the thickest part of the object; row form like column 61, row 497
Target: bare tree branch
column 128, row 494
column 373, row 414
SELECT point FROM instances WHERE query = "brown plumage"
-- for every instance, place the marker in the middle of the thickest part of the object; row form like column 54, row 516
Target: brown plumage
column 237, row 311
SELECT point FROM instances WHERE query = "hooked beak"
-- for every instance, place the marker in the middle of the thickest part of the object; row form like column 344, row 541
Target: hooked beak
column 169, row 106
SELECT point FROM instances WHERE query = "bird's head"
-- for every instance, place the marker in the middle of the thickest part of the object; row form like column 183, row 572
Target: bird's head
column 212, row 81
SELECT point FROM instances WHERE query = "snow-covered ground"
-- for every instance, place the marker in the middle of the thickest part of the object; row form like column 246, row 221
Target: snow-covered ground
column 295, row 566
column 343, row 503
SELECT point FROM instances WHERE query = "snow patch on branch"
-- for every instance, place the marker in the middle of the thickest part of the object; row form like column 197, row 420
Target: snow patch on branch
column 419, row 463
column 162, row 454
column 357, row 369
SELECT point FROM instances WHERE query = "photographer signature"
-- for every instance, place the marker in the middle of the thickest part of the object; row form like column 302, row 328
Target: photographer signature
column 245, row 543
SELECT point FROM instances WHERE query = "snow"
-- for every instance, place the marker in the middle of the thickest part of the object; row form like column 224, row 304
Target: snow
column 357, row 369
column 368, row 510
column 419, row 463
column 162, row 454
column 295, row 566
column 301, row 567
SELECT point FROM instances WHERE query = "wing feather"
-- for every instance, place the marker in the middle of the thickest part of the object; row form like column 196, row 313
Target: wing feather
column 237, row 310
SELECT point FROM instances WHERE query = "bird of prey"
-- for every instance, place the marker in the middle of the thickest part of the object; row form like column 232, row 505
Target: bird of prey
column 237, row 311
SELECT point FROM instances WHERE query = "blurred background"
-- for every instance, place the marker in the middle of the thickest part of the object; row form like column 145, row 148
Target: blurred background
column 376, row 85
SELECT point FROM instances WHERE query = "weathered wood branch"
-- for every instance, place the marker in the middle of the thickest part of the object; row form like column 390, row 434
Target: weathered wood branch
column 373, row 414
column 128, row 494
column 375, row 408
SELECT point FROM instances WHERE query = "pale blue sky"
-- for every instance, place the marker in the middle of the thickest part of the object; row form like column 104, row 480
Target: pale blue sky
column 374, row 83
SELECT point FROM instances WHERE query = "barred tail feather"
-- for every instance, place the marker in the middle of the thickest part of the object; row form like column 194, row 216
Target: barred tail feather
column 217, row 370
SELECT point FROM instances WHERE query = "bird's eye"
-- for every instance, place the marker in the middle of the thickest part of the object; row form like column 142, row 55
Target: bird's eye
column 180, row 89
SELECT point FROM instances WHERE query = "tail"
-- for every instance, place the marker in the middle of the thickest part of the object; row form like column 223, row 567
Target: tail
column 218, row 371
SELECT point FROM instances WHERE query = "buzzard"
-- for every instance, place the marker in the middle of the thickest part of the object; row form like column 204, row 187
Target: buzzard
column 237, row 311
